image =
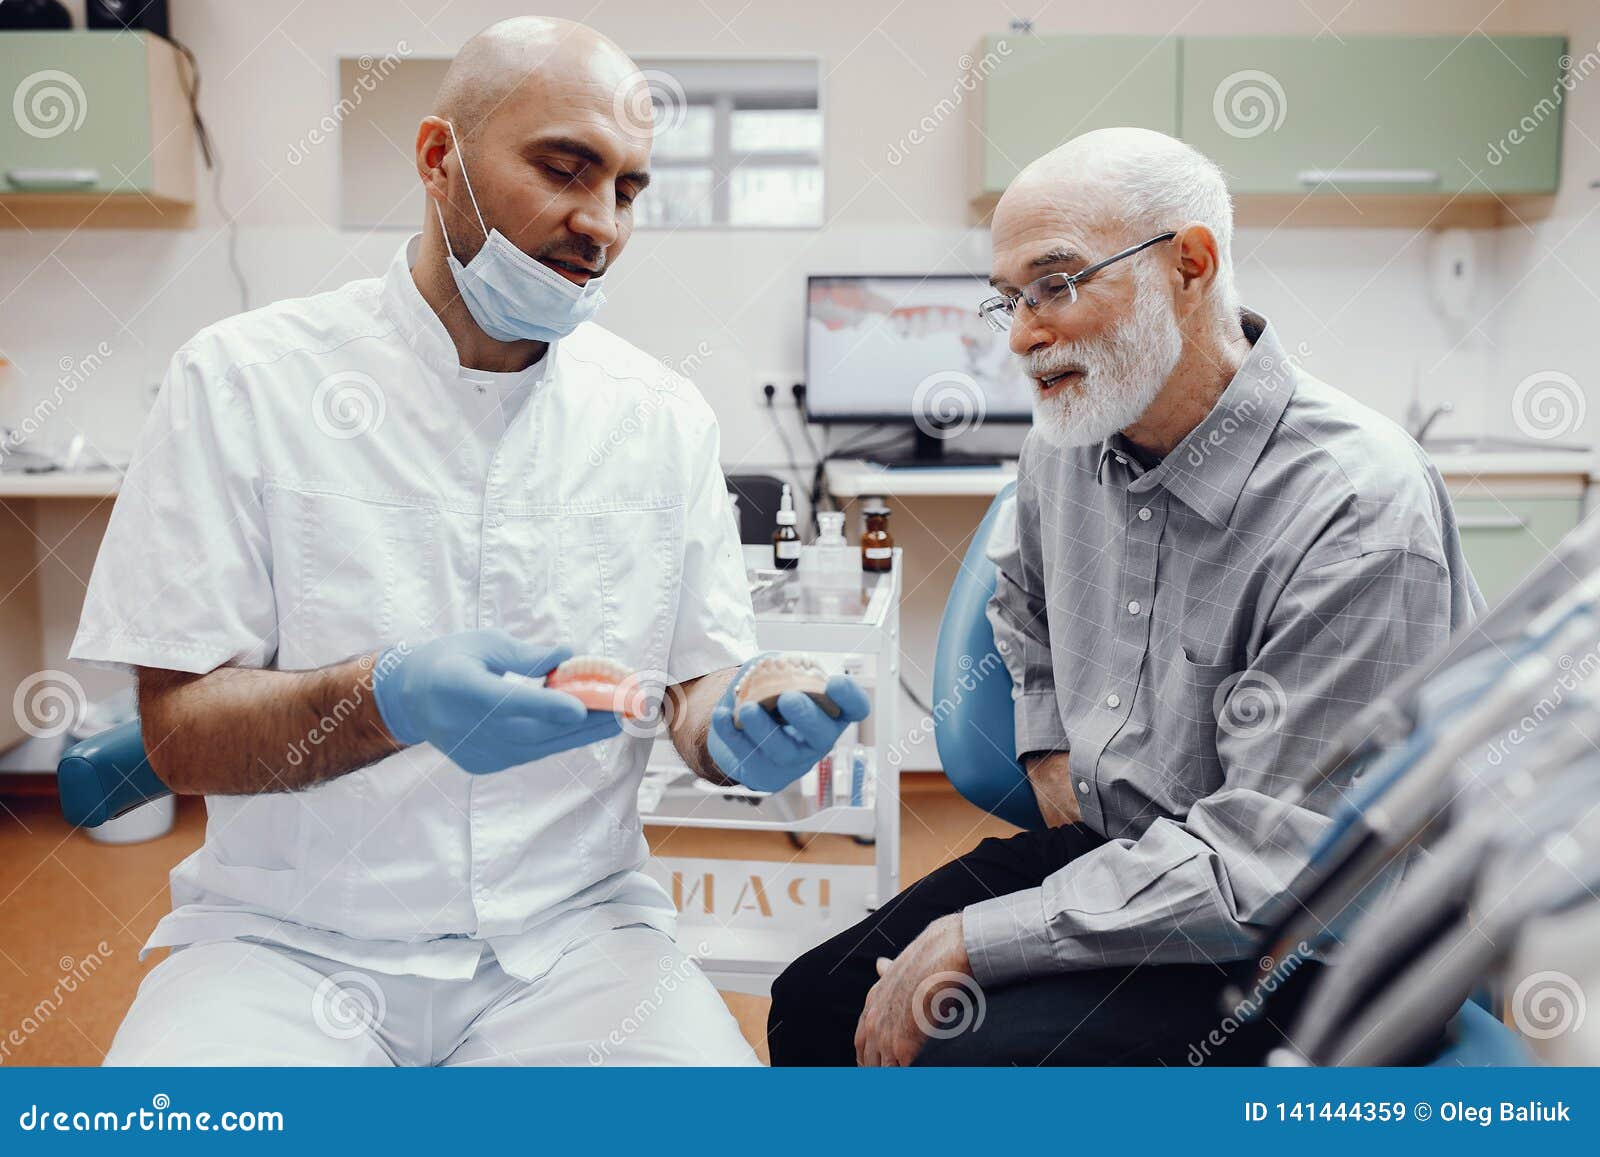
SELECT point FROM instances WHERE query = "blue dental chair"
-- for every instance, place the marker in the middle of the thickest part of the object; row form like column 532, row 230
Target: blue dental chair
column 106, row 776
column 976, row 736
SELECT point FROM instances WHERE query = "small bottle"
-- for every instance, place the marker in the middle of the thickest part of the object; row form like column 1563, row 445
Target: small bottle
column 877, row 544
column 786, row 539
column 834, row 567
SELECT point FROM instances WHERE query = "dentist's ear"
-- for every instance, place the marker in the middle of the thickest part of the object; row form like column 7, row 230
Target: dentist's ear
column 434, row 144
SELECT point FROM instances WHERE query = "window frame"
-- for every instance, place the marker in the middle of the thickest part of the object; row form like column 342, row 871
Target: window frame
column 723, row 160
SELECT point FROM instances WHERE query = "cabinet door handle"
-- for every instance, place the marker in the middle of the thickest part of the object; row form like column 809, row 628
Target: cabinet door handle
column 1369, row 176
column 46, row 179
column 1491, row 522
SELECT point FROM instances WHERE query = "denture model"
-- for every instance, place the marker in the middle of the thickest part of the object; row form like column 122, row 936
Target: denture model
column 770, row 676
column 600, row 684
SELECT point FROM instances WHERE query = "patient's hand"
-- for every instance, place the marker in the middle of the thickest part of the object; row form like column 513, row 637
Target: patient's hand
column 928, row 988
column 1052, row 787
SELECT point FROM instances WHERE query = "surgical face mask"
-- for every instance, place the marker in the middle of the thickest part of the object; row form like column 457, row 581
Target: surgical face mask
column 514, row 297
column 1123, row 371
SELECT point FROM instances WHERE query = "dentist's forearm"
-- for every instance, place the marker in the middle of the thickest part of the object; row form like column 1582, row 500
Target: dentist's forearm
column 237, row 731
column 688, row 710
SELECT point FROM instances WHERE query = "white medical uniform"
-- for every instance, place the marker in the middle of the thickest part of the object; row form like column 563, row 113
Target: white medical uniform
column 320, row 479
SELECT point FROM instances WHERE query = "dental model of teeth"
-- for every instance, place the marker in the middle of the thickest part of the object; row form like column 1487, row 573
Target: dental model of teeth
column 771, row 676
column 600, row 684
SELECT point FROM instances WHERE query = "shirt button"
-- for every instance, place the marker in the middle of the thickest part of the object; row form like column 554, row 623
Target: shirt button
column 1083, row 787
column 1121, row 461
column 1144, row 514
column 1113, row 700
column 496, row 521
column 1133, row 607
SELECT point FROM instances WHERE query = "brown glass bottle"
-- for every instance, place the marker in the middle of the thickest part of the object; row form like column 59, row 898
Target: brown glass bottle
column 877, row 544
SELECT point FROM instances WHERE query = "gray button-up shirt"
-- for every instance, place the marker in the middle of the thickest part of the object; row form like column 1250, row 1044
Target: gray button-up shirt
column 1194, row 634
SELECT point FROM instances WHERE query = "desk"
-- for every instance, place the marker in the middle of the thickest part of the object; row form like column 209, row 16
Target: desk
column 856, row 478
column 60, row 484
column 44, row 558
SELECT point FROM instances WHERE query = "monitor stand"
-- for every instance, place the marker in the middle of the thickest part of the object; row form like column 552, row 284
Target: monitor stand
column 929, row 453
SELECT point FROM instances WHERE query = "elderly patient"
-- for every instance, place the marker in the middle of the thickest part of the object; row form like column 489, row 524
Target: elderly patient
column 1217, row 560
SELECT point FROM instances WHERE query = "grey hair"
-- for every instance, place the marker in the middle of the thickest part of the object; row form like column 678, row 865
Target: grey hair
column 1161, row 189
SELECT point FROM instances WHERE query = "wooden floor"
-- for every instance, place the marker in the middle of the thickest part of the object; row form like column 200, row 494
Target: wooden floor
column 74, row 913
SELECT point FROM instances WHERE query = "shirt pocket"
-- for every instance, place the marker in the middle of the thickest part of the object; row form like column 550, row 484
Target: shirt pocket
column 354, row 574
column 602, row 581
column 1193, row 696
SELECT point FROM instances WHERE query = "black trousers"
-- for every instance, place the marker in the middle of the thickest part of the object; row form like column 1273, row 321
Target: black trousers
column 1150, row 1014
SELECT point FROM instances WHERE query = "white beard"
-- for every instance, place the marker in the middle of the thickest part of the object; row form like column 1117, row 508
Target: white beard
column 1123, row 371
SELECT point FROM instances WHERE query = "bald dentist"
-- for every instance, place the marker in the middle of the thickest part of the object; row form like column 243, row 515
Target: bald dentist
column 358, row 528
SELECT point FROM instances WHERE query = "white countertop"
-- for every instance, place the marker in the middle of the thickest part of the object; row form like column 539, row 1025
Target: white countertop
column 1527, row 463
column 854, row 478
column 61, row 484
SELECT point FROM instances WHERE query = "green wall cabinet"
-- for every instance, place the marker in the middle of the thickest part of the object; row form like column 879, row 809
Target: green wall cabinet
column 1438, row 129
column 1504, row 539
column 98, row 124
column 1416, row 114
column 1046, row 90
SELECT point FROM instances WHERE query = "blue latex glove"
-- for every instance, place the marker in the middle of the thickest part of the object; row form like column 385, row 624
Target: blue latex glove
column 766, row 755
column 450, row 693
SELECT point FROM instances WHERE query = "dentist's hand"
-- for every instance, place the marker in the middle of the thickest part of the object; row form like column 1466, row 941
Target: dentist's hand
column 450, row 693
column 766, row 755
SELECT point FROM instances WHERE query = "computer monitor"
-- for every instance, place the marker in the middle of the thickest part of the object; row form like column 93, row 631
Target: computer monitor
column 913, row 350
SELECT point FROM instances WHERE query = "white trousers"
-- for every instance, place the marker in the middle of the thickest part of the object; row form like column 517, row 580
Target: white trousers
column 624, row 997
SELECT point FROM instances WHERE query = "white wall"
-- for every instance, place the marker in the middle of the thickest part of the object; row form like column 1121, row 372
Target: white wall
column 1546, row 312
column 1357, row 298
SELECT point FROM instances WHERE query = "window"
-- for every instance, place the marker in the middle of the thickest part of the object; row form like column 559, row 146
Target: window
column 738, row 143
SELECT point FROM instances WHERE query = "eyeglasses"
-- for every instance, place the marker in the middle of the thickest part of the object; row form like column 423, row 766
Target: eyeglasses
column 1053, row 290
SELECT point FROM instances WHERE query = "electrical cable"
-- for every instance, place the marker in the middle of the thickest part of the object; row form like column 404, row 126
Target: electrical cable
column 796, row 474
column 915, row 698
column 213, row 163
